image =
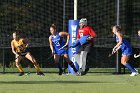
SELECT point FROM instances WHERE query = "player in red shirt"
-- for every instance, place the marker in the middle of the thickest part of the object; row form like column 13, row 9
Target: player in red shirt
column 84, row 30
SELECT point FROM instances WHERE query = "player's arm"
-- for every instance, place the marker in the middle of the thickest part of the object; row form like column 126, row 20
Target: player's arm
column 26, row 42
column 118, row 45
column 63, row 34
column 119, row 35
column 51, row 45
column 116, row 49
column 13, row 50
column 92, row 34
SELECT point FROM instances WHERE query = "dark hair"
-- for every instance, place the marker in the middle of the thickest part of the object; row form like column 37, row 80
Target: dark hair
column 117, row 27
column 53, row 26
column 17, row 33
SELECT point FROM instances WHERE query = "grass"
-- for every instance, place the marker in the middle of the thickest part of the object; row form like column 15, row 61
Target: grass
column 52, row 83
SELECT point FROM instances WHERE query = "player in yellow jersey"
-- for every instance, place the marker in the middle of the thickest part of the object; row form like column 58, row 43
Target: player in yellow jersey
column 19, row 48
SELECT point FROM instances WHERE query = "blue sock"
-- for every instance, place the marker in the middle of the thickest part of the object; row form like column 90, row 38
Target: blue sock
column 130, row 67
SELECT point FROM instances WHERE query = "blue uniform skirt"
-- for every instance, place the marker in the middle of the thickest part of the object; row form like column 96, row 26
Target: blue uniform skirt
column 127, row 51
column 60, row 52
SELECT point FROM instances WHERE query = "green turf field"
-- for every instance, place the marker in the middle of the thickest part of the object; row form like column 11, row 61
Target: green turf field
column 52, row 83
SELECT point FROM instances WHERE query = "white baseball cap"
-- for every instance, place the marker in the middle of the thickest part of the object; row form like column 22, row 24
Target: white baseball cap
column 83, row 20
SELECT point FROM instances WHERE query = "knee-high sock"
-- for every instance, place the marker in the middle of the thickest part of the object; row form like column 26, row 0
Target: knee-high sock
column 131, row 68
column 73, row 66
column 37, row 68
column 83, row 57
column 59, row 65
column 20, row 68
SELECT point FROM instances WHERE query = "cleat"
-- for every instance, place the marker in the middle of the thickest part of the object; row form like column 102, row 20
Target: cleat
column 21, row 74
column 134, row 74
column 79, row 73
column 64, row 71
column 27, row 74
column 137, row 72
column 85, row 72
column 60, row 72
column 40, row 73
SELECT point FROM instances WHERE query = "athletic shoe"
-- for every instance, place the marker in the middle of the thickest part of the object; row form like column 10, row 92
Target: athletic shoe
column 137, row 72
column 40, row 73
column 134, row 74
column 27, row 74
column 21, row 74
column 85, row 72
column 60, row 72
column 79, row 73
column 64, row 71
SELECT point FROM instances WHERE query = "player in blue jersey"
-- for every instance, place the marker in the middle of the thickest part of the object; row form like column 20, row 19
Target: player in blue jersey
column 126, row 48
column 56, row 43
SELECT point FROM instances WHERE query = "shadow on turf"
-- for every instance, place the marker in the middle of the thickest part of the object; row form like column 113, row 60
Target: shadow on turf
column 50, row 82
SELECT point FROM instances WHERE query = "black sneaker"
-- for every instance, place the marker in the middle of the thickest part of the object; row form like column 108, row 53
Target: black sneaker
column 40, row 73
column 85, row 72
column 21, row 74
column 60, row 72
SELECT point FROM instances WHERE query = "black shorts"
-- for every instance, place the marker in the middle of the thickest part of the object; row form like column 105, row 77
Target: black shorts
column 22, row 54
column 86, row 47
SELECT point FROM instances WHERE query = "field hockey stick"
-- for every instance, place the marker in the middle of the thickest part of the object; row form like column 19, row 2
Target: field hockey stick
column 110, row 54
column 75, row 44
column 136, row 56
column 65, row 47
column 50, row 57
column 62, row 47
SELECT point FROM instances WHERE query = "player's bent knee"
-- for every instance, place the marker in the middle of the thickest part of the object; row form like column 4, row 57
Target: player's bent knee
column 35, row 63
column 56, row 60
column 123, row 63
column 17, row 64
